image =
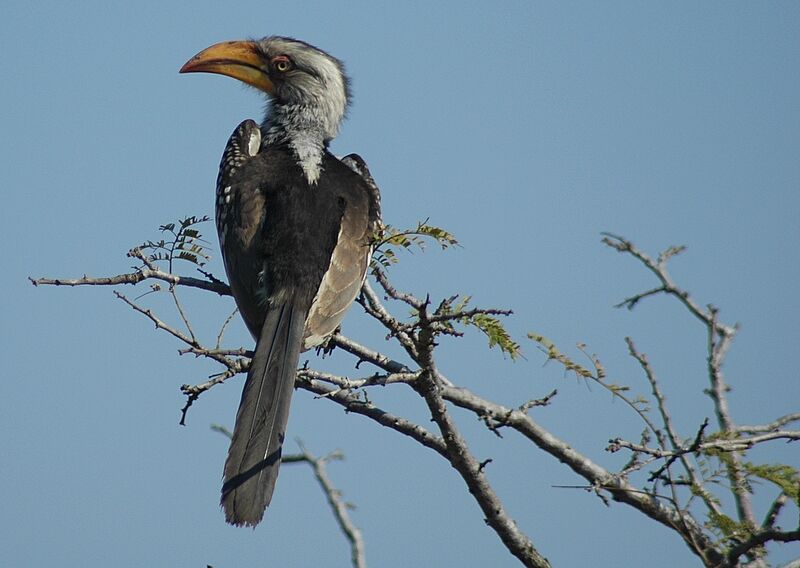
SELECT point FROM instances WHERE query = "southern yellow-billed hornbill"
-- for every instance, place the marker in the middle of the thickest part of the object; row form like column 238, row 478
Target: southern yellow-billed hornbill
column 295, row 226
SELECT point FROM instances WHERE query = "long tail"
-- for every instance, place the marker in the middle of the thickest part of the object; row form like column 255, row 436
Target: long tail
column 255, row 453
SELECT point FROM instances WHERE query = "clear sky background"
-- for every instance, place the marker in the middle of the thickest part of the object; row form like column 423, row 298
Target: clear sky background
column 526, row 129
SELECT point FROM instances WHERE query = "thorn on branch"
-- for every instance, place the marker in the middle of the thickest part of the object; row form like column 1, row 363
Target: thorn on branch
column 189, row 402
column 211, row 277
column 698, row 439
column 493, row 425
column 669, row 253
column 632, row 301
column 616, row 242
column 544, row 401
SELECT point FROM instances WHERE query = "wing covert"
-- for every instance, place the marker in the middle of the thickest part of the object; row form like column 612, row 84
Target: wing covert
column 239, row 213
column 350, row 257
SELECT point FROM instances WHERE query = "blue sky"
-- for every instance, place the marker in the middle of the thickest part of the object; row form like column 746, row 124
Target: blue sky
column 526, row 129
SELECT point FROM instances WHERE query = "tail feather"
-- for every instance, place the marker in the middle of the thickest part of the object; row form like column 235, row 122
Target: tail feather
column 251, row 469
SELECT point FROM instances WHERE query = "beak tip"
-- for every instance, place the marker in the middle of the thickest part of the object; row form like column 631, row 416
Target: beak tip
column 187, row 67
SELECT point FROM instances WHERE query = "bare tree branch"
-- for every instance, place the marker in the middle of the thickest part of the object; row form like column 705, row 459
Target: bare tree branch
column 774, row 511
column 719, row 338
column 772, row 426
column 597, row 476
column 697, row 483
column 372, row 305
column 658, row 268
column 136, row 277
column 337, row 505
column 462, row 459
column 333, row 495
column 758, row 539
column 366, row 354
column 418, row 334
column 356, row 405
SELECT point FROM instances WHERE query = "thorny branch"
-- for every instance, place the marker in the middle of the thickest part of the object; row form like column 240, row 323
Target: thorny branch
column 418, row 337
column 671, row 431
column 735, row 445
column 729, row 439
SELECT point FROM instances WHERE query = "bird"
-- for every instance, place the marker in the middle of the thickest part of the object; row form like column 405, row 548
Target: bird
column 296, row 227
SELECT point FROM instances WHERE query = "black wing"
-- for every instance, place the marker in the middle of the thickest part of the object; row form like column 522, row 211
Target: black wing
column 239, row 216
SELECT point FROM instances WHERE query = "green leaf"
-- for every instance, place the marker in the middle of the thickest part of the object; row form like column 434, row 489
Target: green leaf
column 553, row 353
column 784, row 476
column 725, row 526
column 390, row 238
column 497, row 334
column 482, row 319
column 186, row 243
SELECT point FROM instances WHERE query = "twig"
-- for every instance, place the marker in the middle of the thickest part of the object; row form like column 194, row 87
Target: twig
column 632, row 301
column 352, row 384
column 225, row 325
column 239, row 366
column 211, row 277
column 691, row 449
column 353, row 404
column 758, row 539
column 366, row 354
column 179, row 307
column 213, row 353
column 736, row 445
column 472, row 312
column 623, row 245
column 660, row 453
column 719, row 340
column 135, row 278
column 337, row 505
column 160, row 324
column 409, row 299
column 718, row 343
column 772, row 426
column 774, row 511
column 544, row 401
column 375, row 308
column 696, row 481
column 333, row 495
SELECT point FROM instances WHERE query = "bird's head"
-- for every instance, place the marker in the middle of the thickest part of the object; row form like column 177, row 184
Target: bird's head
column 299, row 78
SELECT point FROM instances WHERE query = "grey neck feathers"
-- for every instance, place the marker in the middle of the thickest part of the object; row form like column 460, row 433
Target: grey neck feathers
column 303, row 130
column 306, row 128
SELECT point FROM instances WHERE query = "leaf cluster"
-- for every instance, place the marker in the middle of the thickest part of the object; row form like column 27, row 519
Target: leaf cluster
column 484, row 320
column 184, row 242
column 784, row 476
column 389, row 240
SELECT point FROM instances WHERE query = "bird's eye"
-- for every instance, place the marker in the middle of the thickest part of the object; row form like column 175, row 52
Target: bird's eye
column 281, row 63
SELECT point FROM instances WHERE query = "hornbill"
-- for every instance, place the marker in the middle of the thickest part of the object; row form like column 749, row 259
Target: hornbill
column 295, row 227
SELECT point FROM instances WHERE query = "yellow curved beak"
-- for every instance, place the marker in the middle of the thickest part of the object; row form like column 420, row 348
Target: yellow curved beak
column 238, row 59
